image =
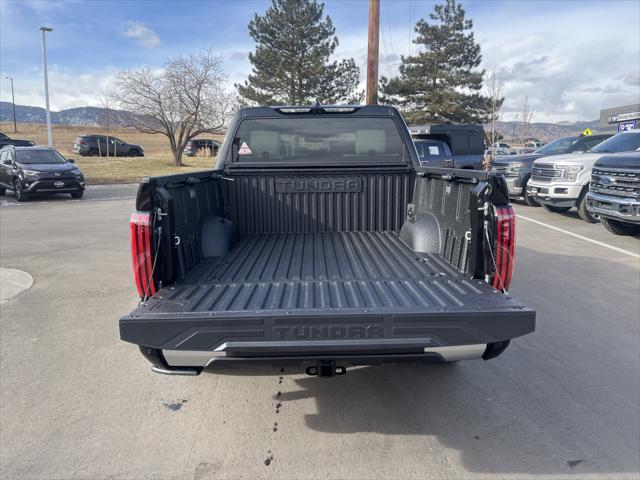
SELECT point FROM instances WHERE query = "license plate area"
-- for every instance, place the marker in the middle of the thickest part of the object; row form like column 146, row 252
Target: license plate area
column 58, row 184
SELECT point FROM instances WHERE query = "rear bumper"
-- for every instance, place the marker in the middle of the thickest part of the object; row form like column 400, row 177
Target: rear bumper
column 618, row 208
column 194, row 363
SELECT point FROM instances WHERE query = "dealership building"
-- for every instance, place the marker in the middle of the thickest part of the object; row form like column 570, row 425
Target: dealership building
column 618, row 119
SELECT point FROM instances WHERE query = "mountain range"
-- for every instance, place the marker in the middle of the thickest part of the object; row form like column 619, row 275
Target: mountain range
column 95, row 117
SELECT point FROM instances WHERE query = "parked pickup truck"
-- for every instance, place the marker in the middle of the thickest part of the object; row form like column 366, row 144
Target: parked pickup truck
column 614, row 193
column 318, row 241
column 466, row 142
column 5, row 141
column 517, row 168
column 561, row 182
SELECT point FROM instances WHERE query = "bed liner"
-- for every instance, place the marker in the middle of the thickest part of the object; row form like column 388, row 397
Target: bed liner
column 269, row 285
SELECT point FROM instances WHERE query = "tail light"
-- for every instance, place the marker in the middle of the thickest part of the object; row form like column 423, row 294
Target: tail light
column 505, row 243
column 142, row 254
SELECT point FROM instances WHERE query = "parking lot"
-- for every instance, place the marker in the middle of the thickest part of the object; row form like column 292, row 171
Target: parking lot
column 76, row 402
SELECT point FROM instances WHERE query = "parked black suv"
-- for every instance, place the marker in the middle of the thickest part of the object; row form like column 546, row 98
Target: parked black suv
column 105, row 146
column 29, row 170
column 5, row 140
column 197, row 145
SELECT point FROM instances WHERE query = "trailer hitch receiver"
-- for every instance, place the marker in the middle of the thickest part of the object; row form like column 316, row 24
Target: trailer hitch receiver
column 326, row 369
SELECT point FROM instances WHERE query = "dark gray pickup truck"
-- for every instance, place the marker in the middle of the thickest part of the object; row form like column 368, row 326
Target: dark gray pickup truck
column 319, row 242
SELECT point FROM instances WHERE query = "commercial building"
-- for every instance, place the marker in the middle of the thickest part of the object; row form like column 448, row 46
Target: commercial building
column 617, row 119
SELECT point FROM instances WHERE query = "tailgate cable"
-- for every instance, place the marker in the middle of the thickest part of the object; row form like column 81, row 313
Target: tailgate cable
column 493, row 260
column 155, row 260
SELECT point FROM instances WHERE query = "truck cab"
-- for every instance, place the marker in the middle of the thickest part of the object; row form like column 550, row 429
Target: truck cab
column 561, row 182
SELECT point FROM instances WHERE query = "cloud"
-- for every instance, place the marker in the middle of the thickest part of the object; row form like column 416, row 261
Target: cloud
column 143, row 34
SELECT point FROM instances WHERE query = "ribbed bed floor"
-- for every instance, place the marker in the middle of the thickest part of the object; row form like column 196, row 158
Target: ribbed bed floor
column 353, row 270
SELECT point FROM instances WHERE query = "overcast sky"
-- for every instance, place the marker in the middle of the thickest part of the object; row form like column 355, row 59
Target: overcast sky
column 572, row 58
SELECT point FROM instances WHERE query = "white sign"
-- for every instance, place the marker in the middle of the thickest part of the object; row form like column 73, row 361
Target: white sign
column 621, row 117
column 434, row 150
column 244, row 149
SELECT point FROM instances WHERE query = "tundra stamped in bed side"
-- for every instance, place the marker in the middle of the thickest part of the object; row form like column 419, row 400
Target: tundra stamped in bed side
column 319, row 242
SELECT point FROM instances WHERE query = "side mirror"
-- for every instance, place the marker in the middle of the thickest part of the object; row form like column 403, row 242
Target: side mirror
column 71, row 160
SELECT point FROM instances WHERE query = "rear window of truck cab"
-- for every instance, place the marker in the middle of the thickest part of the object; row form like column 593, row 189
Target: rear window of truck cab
column 319, row 140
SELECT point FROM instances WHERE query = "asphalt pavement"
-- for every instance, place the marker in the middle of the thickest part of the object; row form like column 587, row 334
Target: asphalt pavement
column 76, row 402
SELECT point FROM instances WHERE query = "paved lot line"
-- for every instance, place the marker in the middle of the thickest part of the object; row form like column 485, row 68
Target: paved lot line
column 586, row 239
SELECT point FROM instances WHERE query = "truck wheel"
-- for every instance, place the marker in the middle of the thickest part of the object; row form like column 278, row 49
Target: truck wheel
column 135, row 153
column 93, row 152
column 620, row 228
column 78, row 194
column 585, row 214
column 554, row 209
column 529, row 199
column 17, row 188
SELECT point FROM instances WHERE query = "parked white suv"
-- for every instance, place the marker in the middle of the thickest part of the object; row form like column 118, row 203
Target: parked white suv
column 561, row 182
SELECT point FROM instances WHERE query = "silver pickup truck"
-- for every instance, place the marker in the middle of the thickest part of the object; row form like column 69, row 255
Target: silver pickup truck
column 561, row 182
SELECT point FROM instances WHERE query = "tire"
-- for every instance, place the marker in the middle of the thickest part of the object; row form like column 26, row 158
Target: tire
column 554, row 209
column 135, row 153
column 77, row 195
column 93, row 152
column 585, row 214
column 528, row 199
column 17, row 188
column 2, row 191
column 620, row 228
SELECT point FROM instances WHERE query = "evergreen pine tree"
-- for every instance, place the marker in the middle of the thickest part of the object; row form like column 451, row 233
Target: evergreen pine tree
column 291, row 62
column 442, row 82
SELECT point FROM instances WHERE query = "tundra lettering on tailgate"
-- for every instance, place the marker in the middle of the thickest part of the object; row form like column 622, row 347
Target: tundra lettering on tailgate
column 328, row 332
column 310, row 185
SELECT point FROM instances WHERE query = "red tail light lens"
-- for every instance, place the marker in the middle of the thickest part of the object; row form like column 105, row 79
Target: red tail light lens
column 142, row 254
column 505, row 244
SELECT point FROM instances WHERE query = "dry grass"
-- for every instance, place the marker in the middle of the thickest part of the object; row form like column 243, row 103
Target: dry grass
column 157, row 159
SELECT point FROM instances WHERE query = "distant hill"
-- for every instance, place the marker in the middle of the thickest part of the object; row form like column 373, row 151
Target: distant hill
column 543, row 131
column 81, row 116
column 95, row 117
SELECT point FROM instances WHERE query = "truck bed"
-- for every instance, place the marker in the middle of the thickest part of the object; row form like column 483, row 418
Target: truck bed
column 281, row 286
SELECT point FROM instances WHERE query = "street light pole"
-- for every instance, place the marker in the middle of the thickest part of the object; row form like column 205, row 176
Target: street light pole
column 46, row 82
column 13, row 102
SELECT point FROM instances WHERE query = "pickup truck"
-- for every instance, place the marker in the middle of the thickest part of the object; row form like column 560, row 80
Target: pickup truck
column 319, row 242
column 561, row 182
column 466, row 142
column 5, row 141
column 517, row 168
column 614, row 193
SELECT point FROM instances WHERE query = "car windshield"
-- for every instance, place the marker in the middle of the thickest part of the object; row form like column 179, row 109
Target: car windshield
column 316, row 139
column 623, row 142
column 38, row 156
column 558, row 147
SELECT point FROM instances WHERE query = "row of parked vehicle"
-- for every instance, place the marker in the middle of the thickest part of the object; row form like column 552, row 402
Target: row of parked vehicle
column 599, row 175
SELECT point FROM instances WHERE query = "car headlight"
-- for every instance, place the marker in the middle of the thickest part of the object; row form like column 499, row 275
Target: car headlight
column 30, row 173
column 76, row 172
column 571, row 172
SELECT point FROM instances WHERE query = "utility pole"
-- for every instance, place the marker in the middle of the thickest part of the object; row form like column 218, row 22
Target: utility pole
column 46, row 82
column 13, row 102
column 372, row 54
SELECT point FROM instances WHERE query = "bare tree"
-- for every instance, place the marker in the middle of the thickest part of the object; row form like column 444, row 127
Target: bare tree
column 526, row 114
column 181, row 101
column 493, row 91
